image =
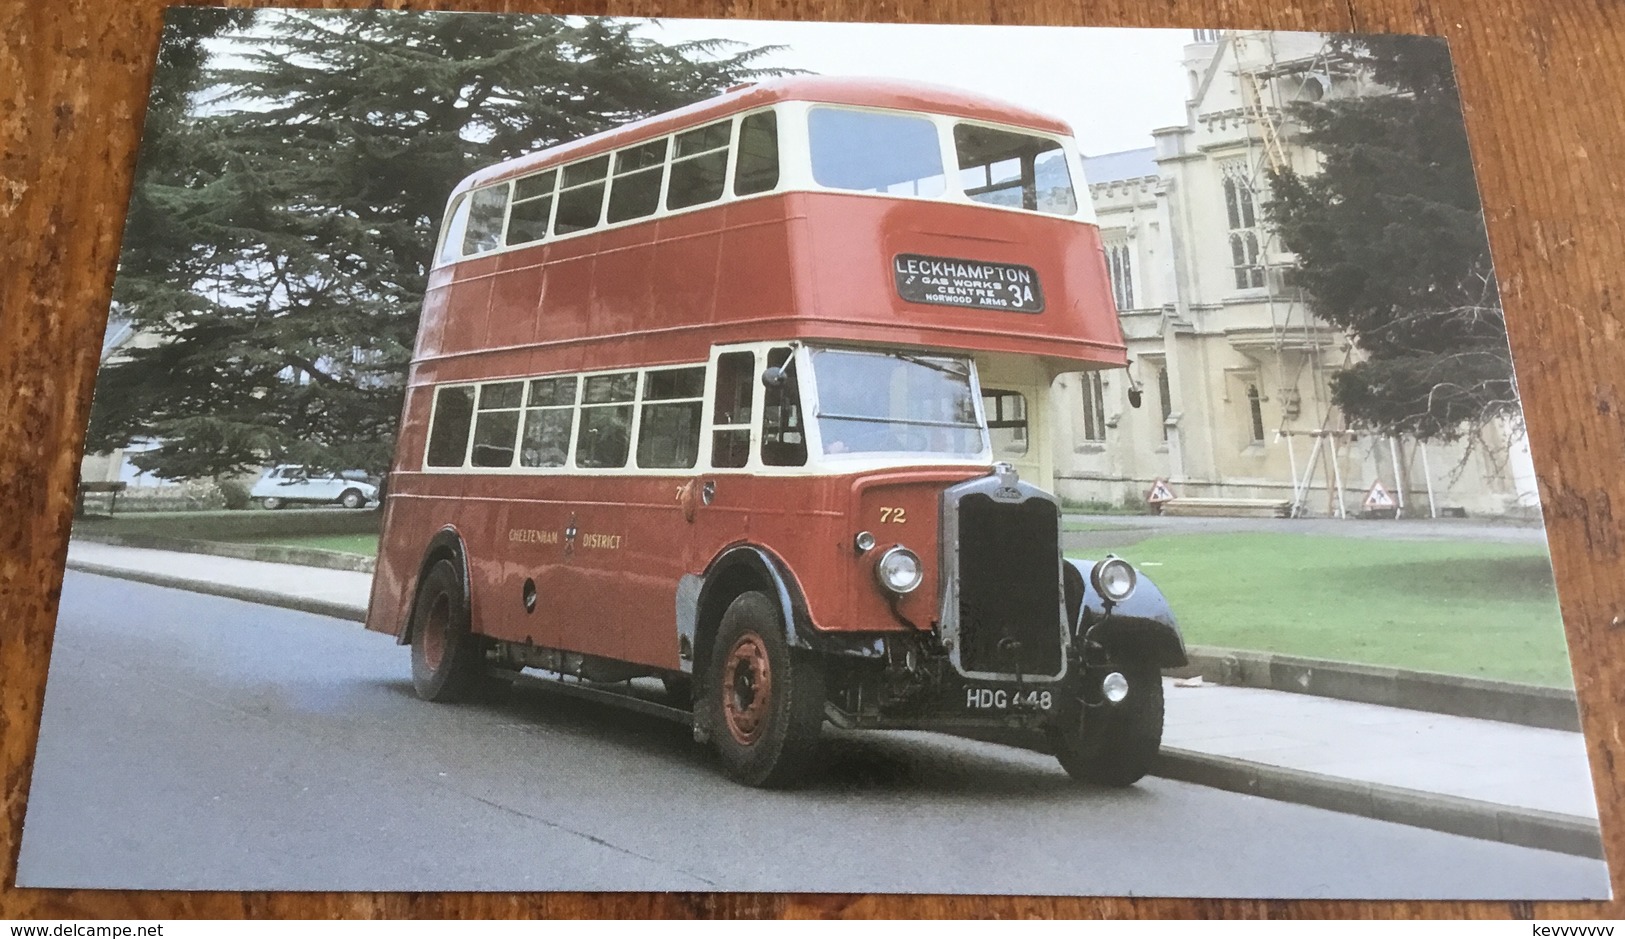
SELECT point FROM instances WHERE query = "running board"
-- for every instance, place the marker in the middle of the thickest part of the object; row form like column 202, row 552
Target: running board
column 604, row 694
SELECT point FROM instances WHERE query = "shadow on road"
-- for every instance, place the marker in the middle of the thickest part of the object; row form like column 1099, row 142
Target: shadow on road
column 850, row 762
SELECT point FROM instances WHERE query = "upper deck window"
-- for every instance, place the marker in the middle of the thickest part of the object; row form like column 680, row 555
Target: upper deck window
column 581, row 195
column 875, row 151
column 758, row 167
column 638, row 174
column 451, row 247
column 699, row 166
column 485, row 219
column 1023, row 171
column 532, row 207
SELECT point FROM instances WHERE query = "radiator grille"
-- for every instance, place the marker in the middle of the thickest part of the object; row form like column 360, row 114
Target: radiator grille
column 1009, row 586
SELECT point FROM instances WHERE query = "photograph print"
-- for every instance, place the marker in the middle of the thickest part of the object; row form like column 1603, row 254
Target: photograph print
column 553, row 453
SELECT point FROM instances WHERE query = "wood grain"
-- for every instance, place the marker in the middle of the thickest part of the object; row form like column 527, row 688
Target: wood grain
column 1543, row 85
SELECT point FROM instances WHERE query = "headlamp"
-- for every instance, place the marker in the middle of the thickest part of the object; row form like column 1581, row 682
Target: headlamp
column 899, row 570
column 1113, row 579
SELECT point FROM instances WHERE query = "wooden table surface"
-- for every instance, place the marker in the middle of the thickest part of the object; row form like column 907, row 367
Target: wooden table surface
column 1544, row 90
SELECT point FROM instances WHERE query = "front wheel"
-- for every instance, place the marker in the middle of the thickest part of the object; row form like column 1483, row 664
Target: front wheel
column 1104, row 743
column 352, row 499
column 271, row 502
column 447, row 658
column 765, row 700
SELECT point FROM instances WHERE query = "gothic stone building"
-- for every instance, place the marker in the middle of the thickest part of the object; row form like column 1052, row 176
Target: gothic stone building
column 1232, row 368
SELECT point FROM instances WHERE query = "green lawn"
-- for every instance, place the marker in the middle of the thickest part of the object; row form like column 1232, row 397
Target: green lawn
column 1464, row 608
column 349, row 544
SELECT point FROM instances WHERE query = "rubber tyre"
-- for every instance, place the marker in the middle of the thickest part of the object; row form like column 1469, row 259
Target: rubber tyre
column 448, row 660
column 352, row 499
column 272, row 502
column 1111, row 744
column 764, row 700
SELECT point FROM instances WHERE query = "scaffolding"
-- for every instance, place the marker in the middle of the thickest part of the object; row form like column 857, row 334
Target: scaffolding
column 1259, row 73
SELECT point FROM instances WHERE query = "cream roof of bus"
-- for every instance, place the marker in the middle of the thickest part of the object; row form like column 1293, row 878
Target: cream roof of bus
column 862, row 92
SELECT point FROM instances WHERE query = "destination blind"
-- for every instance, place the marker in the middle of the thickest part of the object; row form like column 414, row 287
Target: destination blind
column 983, row 285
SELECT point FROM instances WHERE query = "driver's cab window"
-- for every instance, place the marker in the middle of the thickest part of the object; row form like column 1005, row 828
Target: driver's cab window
column 1006, row 420
column 732, row 411
column 784, row 441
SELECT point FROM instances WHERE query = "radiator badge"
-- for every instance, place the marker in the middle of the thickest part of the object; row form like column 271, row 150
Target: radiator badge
column 1008, row 478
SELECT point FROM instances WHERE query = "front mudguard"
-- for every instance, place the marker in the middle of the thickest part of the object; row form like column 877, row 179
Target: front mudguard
column 1141, row 628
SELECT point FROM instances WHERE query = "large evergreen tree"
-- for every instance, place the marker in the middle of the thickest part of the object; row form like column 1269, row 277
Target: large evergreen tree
column 298, row 216
column 1391, row 246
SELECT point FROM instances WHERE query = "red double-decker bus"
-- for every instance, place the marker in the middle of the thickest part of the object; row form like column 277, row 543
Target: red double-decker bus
column 698, row 399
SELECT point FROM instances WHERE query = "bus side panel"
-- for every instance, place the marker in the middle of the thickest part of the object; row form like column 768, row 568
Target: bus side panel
column 600, row 551
column 625, row 282
column 401, row 537
column 758, row 280
column 635, row 564
column 436, row 308
column 687, row 264
column 483, row 519
column 469, row 299
column 567, row 291
column 516, row 297
column 802, row 520
column 531, row 546
column 419, row 505
column 411, row 440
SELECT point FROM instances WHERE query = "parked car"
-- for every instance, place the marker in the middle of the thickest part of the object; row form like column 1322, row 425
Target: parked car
column 291, row 483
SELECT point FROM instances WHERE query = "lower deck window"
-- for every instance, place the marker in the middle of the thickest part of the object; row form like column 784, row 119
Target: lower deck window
column 549, row 419
column 453, row 416
column 669, row 427
column 497, row 424
column 606, row 420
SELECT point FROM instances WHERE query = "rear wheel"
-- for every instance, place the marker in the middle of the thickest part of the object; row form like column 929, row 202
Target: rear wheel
column 765, row 700
column 352, row 499
column 1110, row 744
column 271, row 502
column 447, row 658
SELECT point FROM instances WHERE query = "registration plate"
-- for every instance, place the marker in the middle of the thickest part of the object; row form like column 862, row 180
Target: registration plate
column 1007, row 699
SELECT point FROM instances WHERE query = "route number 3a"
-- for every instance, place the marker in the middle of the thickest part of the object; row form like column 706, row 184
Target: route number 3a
column 896, row 516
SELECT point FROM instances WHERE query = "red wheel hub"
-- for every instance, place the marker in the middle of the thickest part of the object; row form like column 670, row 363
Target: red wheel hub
column 747, row 689
column 435, row 626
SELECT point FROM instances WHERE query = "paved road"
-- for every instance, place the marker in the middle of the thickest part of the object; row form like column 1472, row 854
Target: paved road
column 192, row 742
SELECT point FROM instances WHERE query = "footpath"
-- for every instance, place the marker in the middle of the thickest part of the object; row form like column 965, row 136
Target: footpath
column 1529, row 786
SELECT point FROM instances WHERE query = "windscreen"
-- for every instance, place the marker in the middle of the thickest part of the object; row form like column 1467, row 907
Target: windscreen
column 890, row 402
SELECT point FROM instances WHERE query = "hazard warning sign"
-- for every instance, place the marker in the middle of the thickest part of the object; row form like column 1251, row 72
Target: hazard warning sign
column 1159, row 493
column 1377, row 497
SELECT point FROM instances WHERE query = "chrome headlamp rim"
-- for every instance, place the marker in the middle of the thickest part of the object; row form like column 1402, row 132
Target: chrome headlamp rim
column 1098, row 578
column 898, row 551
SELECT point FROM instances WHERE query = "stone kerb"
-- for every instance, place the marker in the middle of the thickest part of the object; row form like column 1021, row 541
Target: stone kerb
column 1462, row 696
